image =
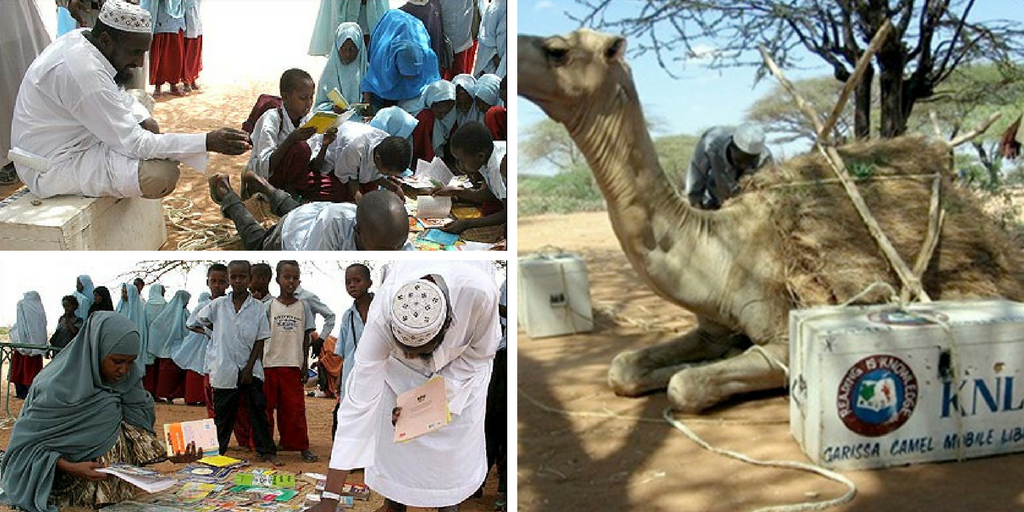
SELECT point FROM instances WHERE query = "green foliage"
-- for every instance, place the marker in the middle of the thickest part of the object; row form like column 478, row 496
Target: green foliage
column 571, row 190
column 674, row 154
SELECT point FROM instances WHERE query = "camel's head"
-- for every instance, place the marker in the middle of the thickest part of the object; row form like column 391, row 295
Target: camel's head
column 581, row 70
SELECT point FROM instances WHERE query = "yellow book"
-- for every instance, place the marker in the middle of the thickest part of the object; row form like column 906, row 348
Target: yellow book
column 219, row 461
column 336, row 97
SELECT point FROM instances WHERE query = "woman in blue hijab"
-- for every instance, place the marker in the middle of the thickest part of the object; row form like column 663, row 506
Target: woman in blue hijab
column 345, row 68
column 396, row 121
column 401, row 63
column 88, row 410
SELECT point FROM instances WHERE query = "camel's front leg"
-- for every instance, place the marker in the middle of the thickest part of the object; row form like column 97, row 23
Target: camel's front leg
column 636, row 372
column 694, row 389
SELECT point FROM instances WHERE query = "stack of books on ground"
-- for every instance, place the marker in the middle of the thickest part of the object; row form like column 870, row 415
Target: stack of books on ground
column 145, row 479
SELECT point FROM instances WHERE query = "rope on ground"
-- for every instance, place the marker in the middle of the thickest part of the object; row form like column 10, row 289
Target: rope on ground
column 198, row 235
column 611, row 415
column 851, row 489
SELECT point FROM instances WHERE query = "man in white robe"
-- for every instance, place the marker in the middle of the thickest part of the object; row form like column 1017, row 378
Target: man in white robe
column 455, row 335
column 78, row 132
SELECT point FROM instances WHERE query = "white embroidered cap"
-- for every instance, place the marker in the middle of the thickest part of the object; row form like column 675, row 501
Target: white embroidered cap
column 749, row 138
column 418, row 312
column 126, row 17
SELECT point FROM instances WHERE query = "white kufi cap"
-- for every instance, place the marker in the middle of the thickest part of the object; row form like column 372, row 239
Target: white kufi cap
column 126, row 17
column 418, row 312
column 749, row 138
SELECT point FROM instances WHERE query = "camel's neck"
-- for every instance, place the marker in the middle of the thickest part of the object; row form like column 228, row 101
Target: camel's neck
column 667, row 242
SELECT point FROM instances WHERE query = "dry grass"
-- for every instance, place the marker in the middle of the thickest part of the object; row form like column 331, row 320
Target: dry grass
column 829, row 253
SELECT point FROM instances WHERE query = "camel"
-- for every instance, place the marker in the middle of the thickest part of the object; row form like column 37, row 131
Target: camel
column 727, row 266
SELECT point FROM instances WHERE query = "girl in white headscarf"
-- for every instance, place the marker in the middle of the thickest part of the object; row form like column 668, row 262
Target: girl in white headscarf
column 345, row 68
column 30, row 329
column 436, row 121
column 465, row 100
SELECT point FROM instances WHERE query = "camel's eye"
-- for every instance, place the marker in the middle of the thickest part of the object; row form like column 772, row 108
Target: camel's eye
column 557, row 55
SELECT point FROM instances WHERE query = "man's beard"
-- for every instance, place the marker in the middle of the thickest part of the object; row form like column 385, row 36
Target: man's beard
column 122, row 77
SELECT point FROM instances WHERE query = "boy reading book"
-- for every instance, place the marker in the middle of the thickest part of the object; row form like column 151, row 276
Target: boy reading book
column 480, row 157
column 295, row 158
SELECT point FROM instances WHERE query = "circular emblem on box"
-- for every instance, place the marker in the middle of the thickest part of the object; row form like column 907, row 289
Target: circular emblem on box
column 896, row 317
column 877, row 395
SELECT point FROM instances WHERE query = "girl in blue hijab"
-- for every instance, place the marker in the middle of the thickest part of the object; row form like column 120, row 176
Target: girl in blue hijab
column 345, row 68
column 401, row 63
column 83, row 294
column 396, row 121
column 166, row 334
column 88, row 410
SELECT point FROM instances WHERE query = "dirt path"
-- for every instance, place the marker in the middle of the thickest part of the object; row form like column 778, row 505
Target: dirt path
column 638, row 462
column 318, row 413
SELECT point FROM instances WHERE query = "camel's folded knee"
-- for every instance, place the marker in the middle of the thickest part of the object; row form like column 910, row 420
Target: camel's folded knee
column 628, row 378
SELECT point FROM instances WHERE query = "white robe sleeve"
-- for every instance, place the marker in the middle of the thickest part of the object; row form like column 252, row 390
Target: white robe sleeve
column 107, row 115
column 356, row 438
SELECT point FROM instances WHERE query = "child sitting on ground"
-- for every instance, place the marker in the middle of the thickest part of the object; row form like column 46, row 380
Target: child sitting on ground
column 295, row 159
column 366, row 156
column 378, row 223
column 479, row 156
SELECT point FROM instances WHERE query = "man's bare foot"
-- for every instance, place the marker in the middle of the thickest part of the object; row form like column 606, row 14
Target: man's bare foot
column 220, row 186
column 271, row 459
column 253, row 184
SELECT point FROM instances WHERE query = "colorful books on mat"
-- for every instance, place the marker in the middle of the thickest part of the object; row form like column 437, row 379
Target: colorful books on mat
column 145, row 479
column 261, row 478
column 193, row 492
column 201, row 473
column 424, row 410
column 220, row 461
column 201, row 432
column 439, row 237
column 265, row 493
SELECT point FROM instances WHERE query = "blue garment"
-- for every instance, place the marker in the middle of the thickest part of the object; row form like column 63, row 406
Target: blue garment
column 65, row 23
column 345, row 77
column 155, row 304
column 168, row 15
column 191, row 354
column 167, row 331
column 72, row 413
column 349, row 332
column 84, row 297
column 396, row 121
column 133, row 309
column 401, row 63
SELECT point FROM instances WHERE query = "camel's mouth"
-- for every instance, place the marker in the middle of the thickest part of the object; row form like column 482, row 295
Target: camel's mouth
column 534, row 74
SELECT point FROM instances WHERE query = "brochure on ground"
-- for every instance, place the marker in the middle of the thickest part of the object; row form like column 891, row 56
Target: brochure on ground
column 145, row 479
column 201, row 432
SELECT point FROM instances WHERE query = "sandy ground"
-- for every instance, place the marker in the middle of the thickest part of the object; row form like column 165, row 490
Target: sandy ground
column 576, row 461
column 318, row 414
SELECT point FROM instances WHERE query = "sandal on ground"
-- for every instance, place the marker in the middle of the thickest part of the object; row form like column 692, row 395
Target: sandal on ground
column 8, row 175
column 271, row 459
column 309, row 456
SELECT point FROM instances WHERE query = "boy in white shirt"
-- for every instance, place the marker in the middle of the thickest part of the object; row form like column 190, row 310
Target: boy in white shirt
column 285, row 361
column 480, row 157
column 239, row 328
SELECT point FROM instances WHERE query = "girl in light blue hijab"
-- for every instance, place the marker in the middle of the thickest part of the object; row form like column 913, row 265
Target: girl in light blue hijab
column 396, row 121
column 166, row 334
column 88, row 411
column 155, row 304
column 465, row 100
column 131, row 307
column 345, row 68
column 488, row 89
column 335, row 12
column 83, row 294
column 191, row 357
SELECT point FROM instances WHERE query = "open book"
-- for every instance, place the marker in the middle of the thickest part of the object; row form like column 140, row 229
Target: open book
column 433, row 207
column 424, row 410
column 339, row 100
column 324, row 121
column 434, row 174
column 201, row 432
column 145, row 479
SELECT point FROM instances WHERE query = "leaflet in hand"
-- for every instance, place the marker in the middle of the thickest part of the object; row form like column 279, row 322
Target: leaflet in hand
column 424, row 410
column 337, row 98
column 201, row 432
column 145, row 479
column 324, row 121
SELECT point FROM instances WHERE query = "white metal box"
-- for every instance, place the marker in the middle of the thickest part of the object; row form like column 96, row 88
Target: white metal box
column 554, row 295
column 80, row 223
column 872, row 387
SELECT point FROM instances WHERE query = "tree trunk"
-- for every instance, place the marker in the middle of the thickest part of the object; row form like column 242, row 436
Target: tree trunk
column 991, row 165
column 862, row 105
column 890, row 80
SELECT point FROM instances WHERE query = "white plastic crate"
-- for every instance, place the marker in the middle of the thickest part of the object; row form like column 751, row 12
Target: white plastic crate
column 872, row 387
column 554, row 295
